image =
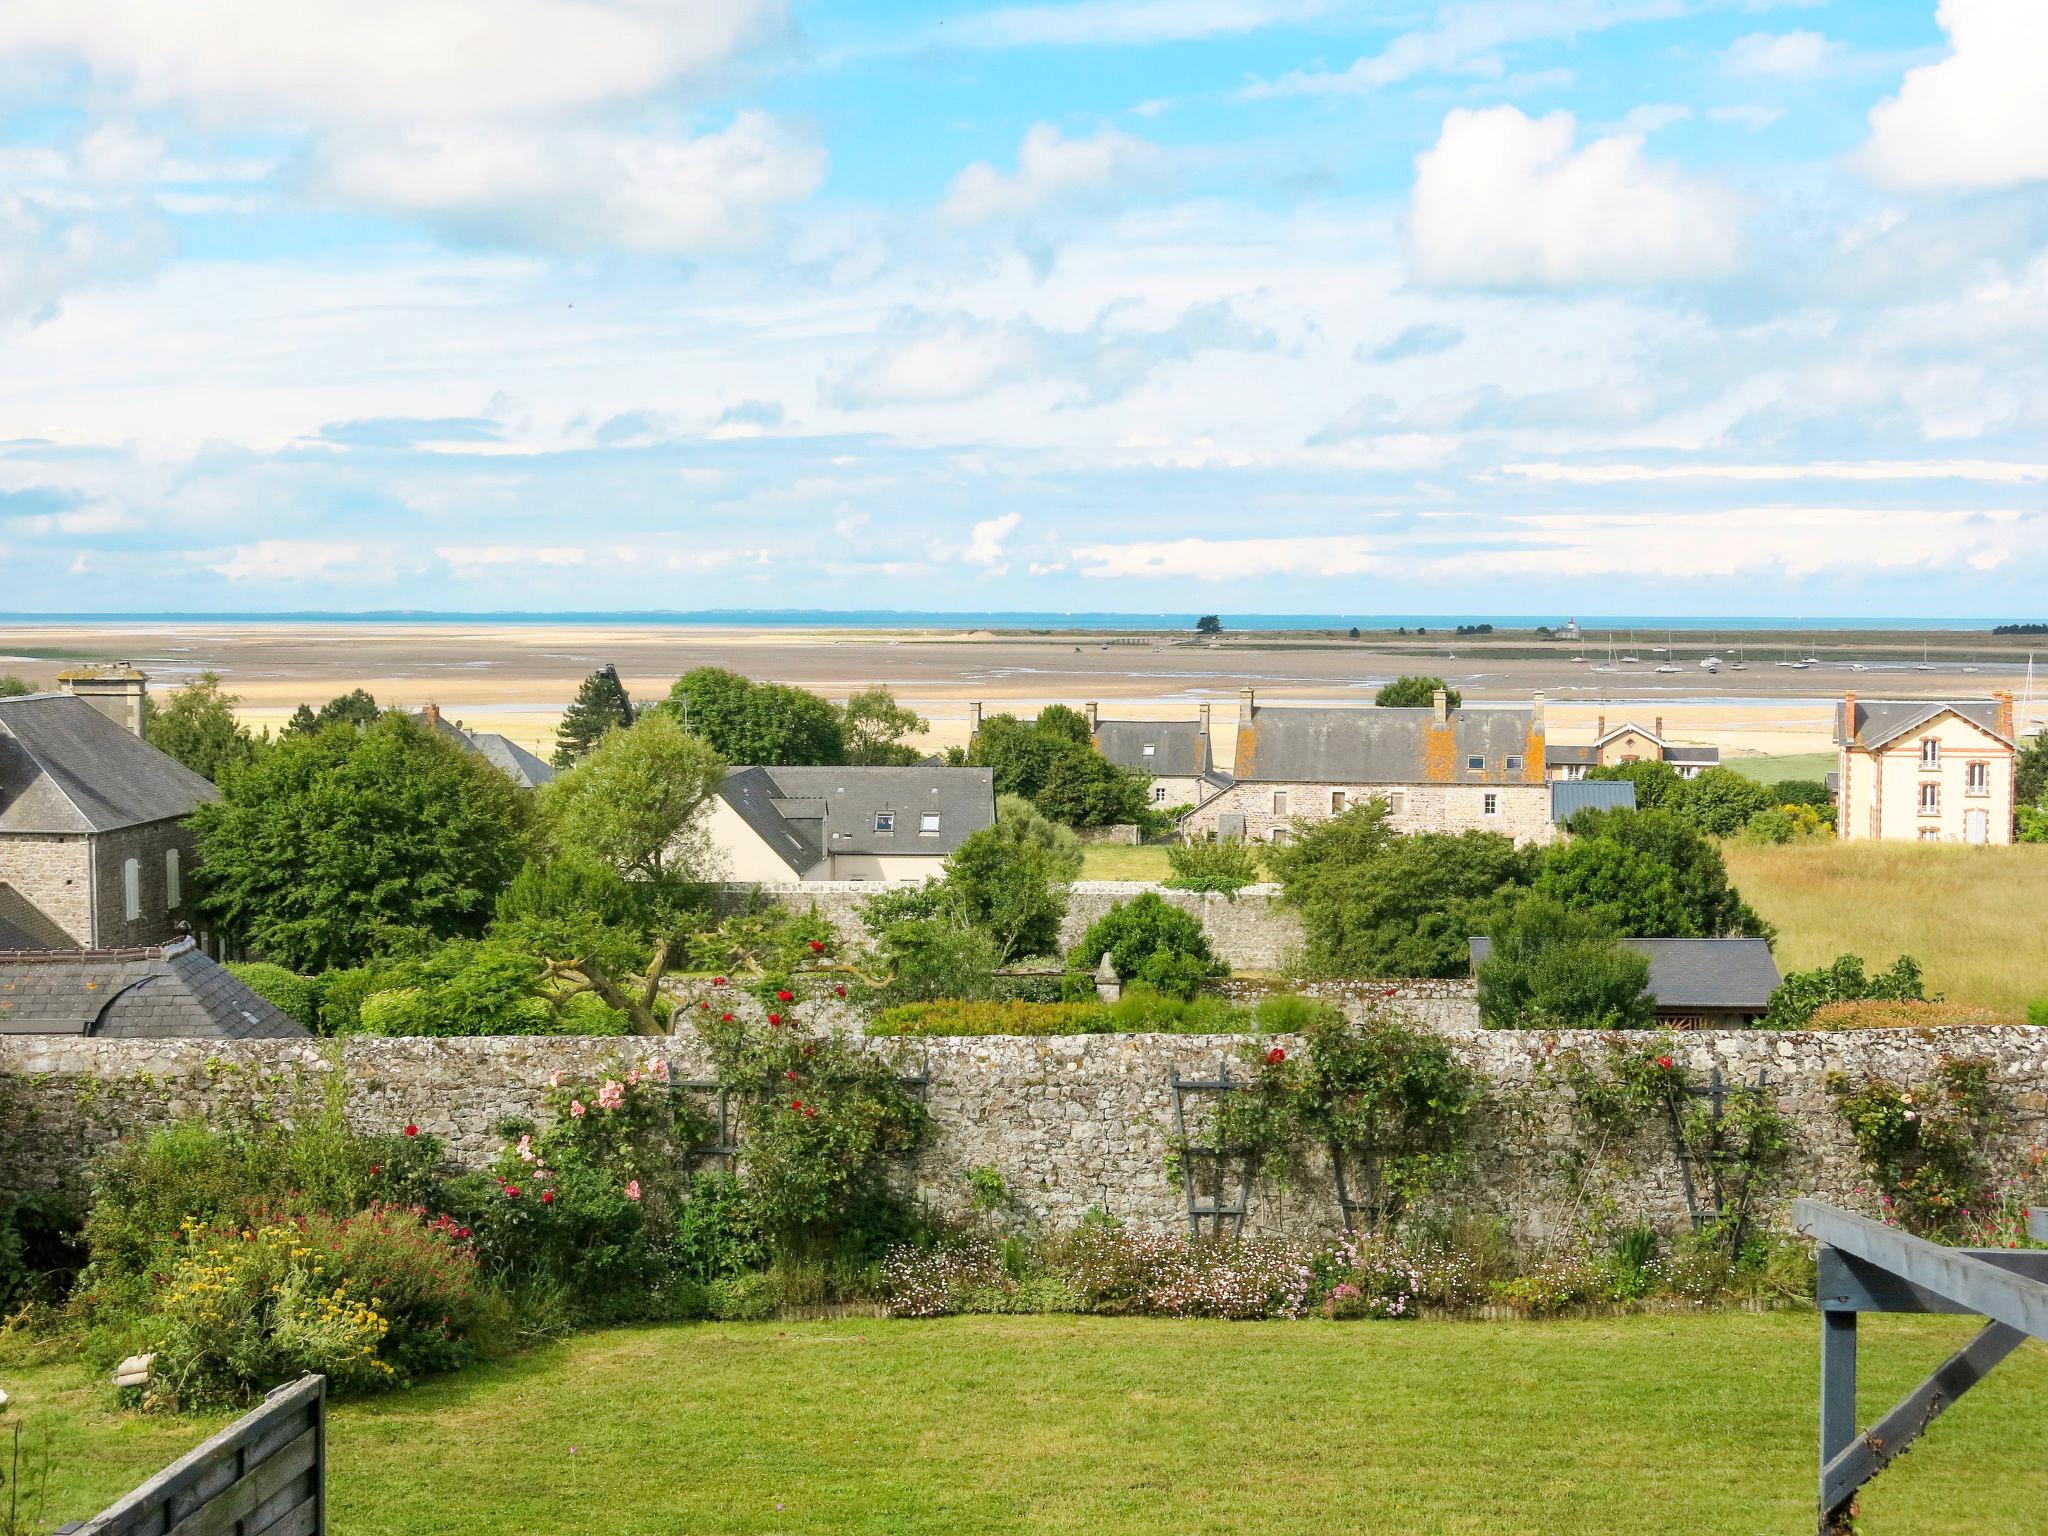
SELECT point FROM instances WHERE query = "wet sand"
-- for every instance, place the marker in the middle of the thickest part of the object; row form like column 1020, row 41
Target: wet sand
column 517, row 678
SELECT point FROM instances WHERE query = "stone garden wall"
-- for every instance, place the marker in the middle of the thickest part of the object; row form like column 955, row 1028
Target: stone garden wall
column 1069, row 1123
column 1252, row 932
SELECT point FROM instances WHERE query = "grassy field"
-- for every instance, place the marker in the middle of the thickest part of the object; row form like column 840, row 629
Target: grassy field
column 1972, row 916
column 1700, row 1423
column 1109, row 861
column 1786, row 765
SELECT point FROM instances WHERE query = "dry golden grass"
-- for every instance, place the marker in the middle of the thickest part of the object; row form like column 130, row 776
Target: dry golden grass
column 1975, row 918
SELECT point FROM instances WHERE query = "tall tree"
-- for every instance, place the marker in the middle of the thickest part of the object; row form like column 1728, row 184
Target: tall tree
column 632, row 804
column 1010, row 880
column 875, row 725
column 2030, row 772
column 197, row 726
column 345, row 845
column 356, row 707
column 1209, row 624
column 1553, row 968
column 1416, row 692
column 600, row 705
column 759, row 725
column 1647, row 874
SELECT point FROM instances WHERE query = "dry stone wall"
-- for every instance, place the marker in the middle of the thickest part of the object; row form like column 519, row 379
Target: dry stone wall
column 1250, row 931
column 1070, row 1124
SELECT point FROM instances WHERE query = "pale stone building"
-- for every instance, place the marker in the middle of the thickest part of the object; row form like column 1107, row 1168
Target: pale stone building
column 1173, row 755
column 775, row 824
column 1922, row 771
column 92, row 834
column 1438, row 769
column 1628, row 743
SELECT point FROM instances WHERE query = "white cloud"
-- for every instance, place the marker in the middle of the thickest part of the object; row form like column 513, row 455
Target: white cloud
column 1994, row 471
column 585, row 188
column 80, row 522
column 1053, row 169
column 1755, row 117
column 1199, row 559
column 1978, row 118
column 1504, row 200
column 283, row 560
column 1780, row 55
column 469, row 559
column 1095, row 23
column 985, row 543
column 370, row 61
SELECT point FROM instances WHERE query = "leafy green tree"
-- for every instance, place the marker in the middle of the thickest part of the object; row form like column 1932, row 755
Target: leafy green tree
column 1416, row 693
column 1658, row 786
column 1410, row 909
column 1017, row 754
column 1647, row 874
column 1802, row 994
column 1319, row 847
column 598, row 935
column 1065, row 723
column 14, row 687
column 480, row 987
column 2030, row 772
column 1149, row 941
column 600, row 704
column 1720, row 801
column 356, row 707
column 303, row 722
column 1010, row 880
column 348, row 844
column 1085, row 789
column 1225, row 866
column 758, row 725
column 1052, row 763
column 1813, row 792
column 633, row 802
column 875, row 725
column 1553, row 968
column 1209, row 624
column 197, row 726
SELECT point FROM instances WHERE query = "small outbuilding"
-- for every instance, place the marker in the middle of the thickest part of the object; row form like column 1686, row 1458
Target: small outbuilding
column 1697, row 983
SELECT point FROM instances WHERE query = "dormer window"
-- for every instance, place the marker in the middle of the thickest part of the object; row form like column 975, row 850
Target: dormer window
column 885, row 821
column 1514, row 765
column 1475, row 765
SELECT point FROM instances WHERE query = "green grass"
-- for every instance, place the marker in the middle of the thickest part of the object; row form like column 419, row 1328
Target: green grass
column 1695, row 1423
column 1785, row 765
column 1971, row 916
column 1112, row 861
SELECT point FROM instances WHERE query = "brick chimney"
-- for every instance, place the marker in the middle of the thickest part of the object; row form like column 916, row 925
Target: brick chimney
column 1848, row 731
column 431, row 714
column 1440, row 703
column 2004, row 717
column 116, row 691
column 1657, row 728
column 1093, row 711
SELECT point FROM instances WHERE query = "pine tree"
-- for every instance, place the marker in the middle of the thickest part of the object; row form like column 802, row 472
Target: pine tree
column 601, row 703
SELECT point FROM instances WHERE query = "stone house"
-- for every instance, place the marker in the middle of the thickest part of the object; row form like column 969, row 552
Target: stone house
column 1628, row 743
column 1438, row 769
column 92, row 833
column 776, row 824
column 1174, row 755
column 1697, row 983
column 1925, row 771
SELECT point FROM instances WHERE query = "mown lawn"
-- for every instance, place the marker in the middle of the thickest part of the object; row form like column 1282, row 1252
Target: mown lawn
column 1700, row 1424
column 1112, row 861
column 1775, row 769
column 1971, row 916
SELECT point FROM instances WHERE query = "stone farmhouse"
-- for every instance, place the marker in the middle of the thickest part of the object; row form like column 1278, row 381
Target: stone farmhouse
column 777, row 824
column 1628, row 743
column 501, row 752
column 1439, row 770
column 92, row 839
column 1173, row 754
column 1925, row 771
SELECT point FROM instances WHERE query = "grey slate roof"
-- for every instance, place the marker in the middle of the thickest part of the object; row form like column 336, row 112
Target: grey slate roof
column 1709, row 757
column 501, row 752
column 1570, row 796
column 1387, row 746
column 65, row 767
column 1180, row 748
column 1686, row 974
column 1560, row 757
column 172, row 992
column 24, row 925
column 806, row 814
column 1882, row 720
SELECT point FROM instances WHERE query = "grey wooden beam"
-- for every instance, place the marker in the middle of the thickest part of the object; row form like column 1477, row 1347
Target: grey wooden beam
column 1852, row 1465
column 1949, row 1273
column 2037, row 1224
column 1845, row 1283
column 1837, row 1386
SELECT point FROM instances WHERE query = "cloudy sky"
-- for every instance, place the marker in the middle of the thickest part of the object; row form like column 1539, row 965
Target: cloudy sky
column 1368, row 306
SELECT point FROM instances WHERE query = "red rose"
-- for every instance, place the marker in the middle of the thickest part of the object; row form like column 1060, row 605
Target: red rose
column 511, row 1191
column 375, row 1169
column 725, row 1018
column 462, row 1231
column 784, row 997
column 1664, row 1063
column 840, row 990
column 412, row 1130
column 775, row 1018
column 790, row 1074
column 547, row 1197
column 1275, row 1056
column 810, row 1114
column 817, row 948
column 718, row 981
column 706, row 1006
column 796, row 1106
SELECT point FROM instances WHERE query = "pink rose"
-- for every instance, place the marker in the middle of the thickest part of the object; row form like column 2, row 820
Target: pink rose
column 632, row 1189
column 576, row 1108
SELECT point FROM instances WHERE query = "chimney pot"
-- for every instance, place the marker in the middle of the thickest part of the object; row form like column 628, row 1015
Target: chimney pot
column 1094, row 712
column 2004, row 716
column 1657, row 728
column 974, row 718
column 1245, row 705
column 1440, row 703
column 432, row 713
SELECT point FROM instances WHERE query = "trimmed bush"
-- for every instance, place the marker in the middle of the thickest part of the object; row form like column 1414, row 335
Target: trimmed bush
column 1151, row 942
column 296, row 995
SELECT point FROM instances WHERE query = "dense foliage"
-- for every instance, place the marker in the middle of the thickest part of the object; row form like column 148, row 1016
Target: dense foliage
column 1417, row 692
column 761, row 725
column 1225, row 866
column 875, row 726
column 196, row 725
column 1647, row 874
column 1009, row 881
column 1051, row 762
column 1554, row 968
column 633, row 801
column 600, row 705
column 1152, row 943
column 349, row 843
column 356, row 707
column 1927, row 1145
column 1802, row 994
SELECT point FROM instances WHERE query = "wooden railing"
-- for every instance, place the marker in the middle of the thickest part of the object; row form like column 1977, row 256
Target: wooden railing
column 264, row 1475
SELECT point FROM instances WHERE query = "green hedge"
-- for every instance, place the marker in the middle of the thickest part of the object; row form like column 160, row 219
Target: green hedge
column 1137, row 1012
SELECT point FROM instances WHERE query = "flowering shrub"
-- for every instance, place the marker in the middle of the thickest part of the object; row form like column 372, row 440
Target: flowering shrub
column 1926, row 1146
column 1366, row 1277
column 366, row 1300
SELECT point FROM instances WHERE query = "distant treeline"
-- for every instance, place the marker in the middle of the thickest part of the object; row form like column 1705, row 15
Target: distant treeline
column 2021, row 629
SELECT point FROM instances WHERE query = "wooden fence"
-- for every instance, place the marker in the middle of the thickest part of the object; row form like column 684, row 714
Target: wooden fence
column 264, row 1475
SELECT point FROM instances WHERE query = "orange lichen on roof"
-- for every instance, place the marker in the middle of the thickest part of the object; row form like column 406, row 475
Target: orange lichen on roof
column 1245, row 765
column 1440, row 754
column 1533, row 751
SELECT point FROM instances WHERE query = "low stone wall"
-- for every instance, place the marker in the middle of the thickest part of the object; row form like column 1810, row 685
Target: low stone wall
column 1250, row 931
column 1069, row 1123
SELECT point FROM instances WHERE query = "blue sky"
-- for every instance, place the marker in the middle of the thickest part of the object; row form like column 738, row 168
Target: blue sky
column 1696, row 306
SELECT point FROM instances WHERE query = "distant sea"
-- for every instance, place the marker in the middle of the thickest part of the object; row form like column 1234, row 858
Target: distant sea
column 884, row 618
